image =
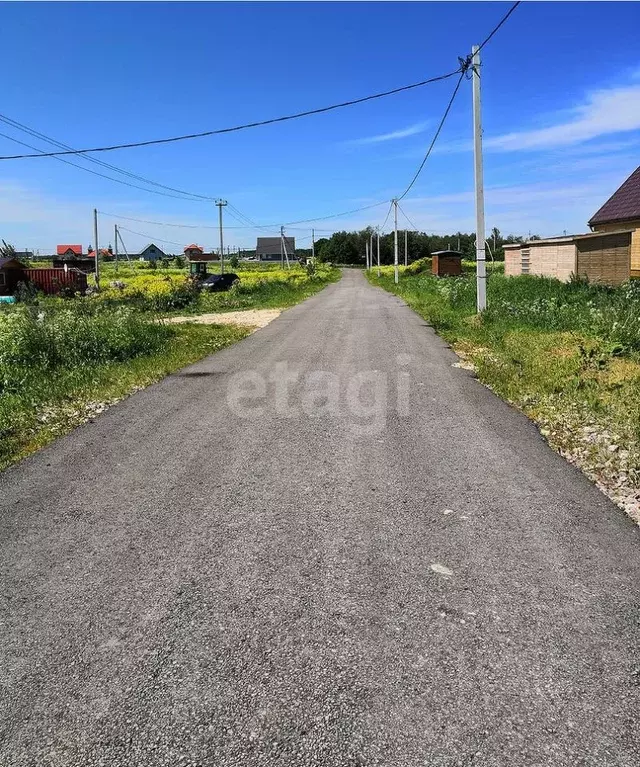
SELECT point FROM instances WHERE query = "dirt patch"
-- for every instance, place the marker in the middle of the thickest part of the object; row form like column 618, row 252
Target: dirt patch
column 251, row 318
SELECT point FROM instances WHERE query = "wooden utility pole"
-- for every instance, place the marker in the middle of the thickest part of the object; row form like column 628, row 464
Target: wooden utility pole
column 481, row 266
column 221, row 204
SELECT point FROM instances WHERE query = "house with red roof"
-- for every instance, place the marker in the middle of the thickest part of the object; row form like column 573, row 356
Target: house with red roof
column 622, row 211
column 68, row 250
column 196, row 253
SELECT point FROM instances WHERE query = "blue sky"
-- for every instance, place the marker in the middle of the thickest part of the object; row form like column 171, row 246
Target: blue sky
column 561, row 104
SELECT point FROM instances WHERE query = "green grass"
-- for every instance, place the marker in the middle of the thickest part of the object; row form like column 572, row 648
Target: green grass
column 170, row 291
column 52, row 394
column 568, row 355
column 63, row 360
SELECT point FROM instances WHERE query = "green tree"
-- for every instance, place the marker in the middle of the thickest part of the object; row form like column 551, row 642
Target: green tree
column 6, row 250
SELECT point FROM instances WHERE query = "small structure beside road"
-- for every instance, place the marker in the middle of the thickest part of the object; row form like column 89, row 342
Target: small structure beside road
column 598, row 257
column 446, row 263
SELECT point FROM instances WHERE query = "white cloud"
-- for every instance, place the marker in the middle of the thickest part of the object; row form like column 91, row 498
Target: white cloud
column 606, row 111
column 411, row 130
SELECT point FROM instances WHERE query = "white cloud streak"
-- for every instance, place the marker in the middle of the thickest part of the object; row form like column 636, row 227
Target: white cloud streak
column 606, row 112
column 411, row 130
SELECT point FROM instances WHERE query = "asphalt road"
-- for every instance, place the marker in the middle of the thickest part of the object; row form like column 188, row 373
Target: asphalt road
column 379, row 563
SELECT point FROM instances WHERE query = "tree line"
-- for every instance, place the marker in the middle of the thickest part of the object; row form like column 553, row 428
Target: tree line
column 349, row 247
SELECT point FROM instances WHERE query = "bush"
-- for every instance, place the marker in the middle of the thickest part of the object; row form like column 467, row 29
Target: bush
column 33, row 340
column 419, row 266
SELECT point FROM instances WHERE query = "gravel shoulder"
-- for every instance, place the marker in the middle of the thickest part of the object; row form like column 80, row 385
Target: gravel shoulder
column 254, row 318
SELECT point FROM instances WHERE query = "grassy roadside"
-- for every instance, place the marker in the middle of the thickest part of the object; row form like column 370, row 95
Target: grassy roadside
column 568, row 355
column 64, row 361
column 48, row 406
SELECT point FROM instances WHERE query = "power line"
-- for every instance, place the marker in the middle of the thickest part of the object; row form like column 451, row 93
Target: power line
column 190, row 226
column 149, row 237
column 497, row 27
column 96, row 173
column 465, row 64
column 235, row 128
column 388, row 214
column 408, row 219
column 337, row 215
column 37, row 134
column 435, row 137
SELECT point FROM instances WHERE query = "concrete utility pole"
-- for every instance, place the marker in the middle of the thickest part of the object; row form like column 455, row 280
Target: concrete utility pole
column 366, row 255
column 481, row 266
column 395, row 240
column 406, row 262
column 221, row 204
column 371, row 251
column 313, row 245
column 115, row 229
column 283, row 248
column 378, row 245
column 95, row 245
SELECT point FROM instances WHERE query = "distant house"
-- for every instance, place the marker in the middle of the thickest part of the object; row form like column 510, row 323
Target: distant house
column 193, row 253
column 270, row 248
column 151, row 253
column 196, row 253
column 68, row 250
column 622, row 211
column 11, row 273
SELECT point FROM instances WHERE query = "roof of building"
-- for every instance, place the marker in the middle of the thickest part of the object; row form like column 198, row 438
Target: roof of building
column 7, row 260
column 623, row 205
column 193, row 247
column 62, row 249
column 455, row 253
column 270, row 246
column 567, row 238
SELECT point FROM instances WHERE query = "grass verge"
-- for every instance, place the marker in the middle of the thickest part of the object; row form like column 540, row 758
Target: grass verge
column 568, row 355
column 50, row 403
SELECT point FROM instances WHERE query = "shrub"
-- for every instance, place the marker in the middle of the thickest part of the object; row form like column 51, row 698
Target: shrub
column 419, row 266
column 81, row 333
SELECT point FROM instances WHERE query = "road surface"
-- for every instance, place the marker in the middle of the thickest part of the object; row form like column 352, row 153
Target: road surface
column 322, row 546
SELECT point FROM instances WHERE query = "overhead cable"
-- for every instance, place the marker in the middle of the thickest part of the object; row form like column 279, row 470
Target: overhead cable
column 236, row 128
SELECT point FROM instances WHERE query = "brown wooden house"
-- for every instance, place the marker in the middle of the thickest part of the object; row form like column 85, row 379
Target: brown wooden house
column 11, row 273
column 622, row 211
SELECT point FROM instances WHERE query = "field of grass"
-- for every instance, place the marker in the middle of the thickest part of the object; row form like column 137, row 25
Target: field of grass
column 64, row 360
column 262, row 286
column 568, row 355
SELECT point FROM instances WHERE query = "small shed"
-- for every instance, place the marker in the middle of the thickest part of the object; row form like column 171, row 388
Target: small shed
column 11, row 273
column 599, row 257
column 446, row 263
